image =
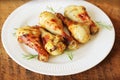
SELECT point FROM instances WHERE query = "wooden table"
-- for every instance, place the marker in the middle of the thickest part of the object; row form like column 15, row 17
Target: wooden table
column 108, row 69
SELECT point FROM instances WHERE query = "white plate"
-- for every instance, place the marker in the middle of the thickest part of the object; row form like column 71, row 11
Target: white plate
column 86, row 57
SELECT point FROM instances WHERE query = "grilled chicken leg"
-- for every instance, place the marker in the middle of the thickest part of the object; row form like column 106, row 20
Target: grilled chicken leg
column 53, row 24
column 79, row 14
column 54, row 44
column 79, row 31
column 31, row 37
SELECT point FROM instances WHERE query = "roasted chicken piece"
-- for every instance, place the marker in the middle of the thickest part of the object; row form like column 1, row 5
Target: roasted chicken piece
column 79, row 31
column 53, row 24
column 54, row 44
column 79, row 14
column 31, row 37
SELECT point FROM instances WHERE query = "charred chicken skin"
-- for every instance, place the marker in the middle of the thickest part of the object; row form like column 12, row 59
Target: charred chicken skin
column 80, row 15
column 30, row 36
column 53, row 24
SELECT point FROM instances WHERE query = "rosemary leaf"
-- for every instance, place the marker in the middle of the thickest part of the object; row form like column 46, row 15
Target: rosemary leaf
column 69, row 54
column 15, row 28
column 30, row 56
column 51, row 9
column 101, row 24
column 14, row 34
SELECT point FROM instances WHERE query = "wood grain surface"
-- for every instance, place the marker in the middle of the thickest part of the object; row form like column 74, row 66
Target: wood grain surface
column 108, row 69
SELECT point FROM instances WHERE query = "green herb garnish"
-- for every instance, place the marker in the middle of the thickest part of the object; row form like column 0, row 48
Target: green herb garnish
column 101, row 24
column 69, row 54
column 30, row 56
column 51, row 9
column 15, row 28
column 14, row 34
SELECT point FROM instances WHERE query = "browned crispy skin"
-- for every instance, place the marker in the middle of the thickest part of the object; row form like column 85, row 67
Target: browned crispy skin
column 93, row 28
column 79, row 31
column 54, row 44
column 79, row 14
column 65, row 20
column 53, row 24
column 88, row 21
column 34, row 42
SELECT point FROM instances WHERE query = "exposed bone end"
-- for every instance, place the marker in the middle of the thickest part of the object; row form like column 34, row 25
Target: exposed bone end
column 73, row 45
column 43, row 58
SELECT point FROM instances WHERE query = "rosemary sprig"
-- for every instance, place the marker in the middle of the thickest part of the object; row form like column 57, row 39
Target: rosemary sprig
column 14, row 34
column 101, row 24
column 69, row 54
column 30, row 56
column 51, row 9
column 15, row 28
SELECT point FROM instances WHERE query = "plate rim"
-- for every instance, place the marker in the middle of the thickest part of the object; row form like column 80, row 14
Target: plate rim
column 17, row 9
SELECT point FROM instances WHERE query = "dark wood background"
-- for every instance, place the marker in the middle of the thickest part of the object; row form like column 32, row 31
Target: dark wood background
column 108, row 69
